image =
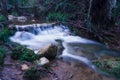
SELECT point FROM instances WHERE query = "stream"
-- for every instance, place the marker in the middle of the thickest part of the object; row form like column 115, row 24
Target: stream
column 35, row 36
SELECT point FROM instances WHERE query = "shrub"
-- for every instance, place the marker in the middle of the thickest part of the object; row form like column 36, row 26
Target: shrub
column 2, row 18
column 34, row 74
column 28, row 55
column 23, row 54
column 15, row 13
column 31, row 74
column 5, row 34
column 2, row 55
column 57, row 17
column 16, row 52
column 109, row 66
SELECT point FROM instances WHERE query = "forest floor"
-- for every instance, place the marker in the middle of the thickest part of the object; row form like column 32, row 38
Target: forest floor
column 59, row 69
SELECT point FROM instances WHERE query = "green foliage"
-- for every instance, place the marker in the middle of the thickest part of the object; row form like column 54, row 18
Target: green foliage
column 15, row 13
column 28, row 55
column 31, row 74
column 2, row 18
column 23, row 54
column 57, row 17
column 16, row 52
column 70, row 9
column 5, row 34
column 34, row 74
column 109, row 66
column 75, row 31
column 27, row 3
column 2, row 55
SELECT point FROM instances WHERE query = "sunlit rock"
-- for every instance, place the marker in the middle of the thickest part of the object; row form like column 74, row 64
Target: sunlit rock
column 43, row 61
column 12, row 18
column 24, row 67
column 49, row 51
column 19, row 18
column 22, row 19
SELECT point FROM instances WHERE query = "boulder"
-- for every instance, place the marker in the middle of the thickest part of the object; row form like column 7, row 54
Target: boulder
column 60, row 47
column 12, row 18
column 24, row 67
column 21, row 19
column 43, row 61
column 48, row 51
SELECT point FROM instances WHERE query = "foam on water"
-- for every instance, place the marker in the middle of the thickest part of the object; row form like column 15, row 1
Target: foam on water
column 46, row 36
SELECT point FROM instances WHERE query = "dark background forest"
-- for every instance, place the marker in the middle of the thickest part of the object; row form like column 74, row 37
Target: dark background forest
column 73, row 13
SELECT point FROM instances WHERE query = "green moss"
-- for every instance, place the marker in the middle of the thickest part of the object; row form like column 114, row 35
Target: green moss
column 16, row 52
column 34, row 74
column 5, row 34
column 109, row 66
column 57, row 17
column 2, row 18
column 28, row 55
column 31, row 74
column 23, row 54
column 15, row 13
column 51, row 52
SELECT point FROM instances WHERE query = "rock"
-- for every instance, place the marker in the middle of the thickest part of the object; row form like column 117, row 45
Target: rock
column 33, row 20
column 11, row 18
column 22, row 19
column 43, row 61
column 24, row 67
column 55, row 79
column 19, row 18
column 49, row 51
column 18, row 73
column 60, row 47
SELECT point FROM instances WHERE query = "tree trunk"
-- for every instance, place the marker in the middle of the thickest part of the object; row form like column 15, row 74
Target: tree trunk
column 3, row 4
column 16, row 7
column 100, row 12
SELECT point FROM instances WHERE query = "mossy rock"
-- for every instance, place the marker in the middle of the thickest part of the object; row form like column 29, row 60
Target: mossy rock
column 48, row 51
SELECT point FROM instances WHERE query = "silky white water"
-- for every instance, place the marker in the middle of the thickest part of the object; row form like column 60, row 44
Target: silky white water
column 48, row 34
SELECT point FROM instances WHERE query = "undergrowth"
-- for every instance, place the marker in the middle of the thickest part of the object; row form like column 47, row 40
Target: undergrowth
column 57, row 17
column 2, row 56
column 5, row 34
column 23, row 54
column 109, row 66
column 34, row 74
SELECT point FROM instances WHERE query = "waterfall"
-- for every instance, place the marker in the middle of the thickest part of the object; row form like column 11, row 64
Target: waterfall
column 35, row 36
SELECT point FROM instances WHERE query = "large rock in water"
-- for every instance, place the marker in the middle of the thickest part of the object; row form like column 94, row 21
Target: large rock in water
column 49, row 51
